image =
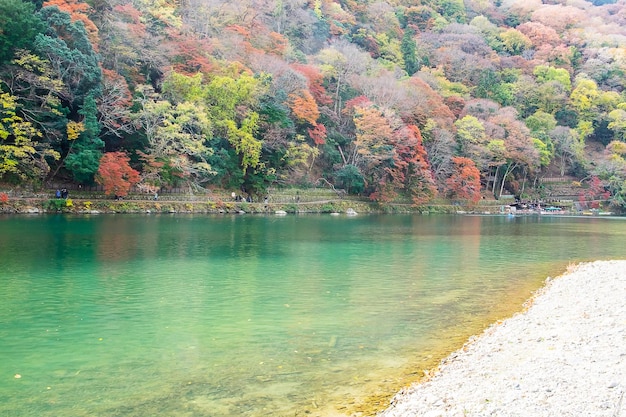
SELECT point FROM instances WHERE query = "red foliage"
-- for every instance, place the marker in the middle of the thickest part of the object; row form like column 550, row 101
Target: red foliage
column 456, row 105
column 115, row 174
column 190, row 55
column 360, row 101
column 315, row 83
column 595, row 194
column 465, row 181
column 428, row 105
column 411, row 156
column 318, row 134
column 132, row 17
column 4, row 198
column 410, row 171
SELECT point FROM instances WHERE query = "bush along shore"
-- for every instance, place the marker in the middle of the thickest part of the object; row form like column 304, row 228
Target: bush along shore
column 289, row 201
column 87, row 206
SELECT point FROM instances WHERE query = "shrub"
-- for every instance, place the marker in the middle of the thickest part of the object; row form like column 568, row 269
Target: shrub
column 4, row 198
column 55, row 205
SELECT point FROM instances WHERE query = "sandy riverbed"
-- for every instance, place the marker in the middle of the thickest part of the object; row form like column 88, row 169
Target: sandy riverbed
column 564, row 356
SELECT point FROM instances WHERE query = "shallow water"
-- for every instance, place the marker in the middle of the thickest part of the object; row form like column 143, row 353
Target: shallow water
column 253, row 316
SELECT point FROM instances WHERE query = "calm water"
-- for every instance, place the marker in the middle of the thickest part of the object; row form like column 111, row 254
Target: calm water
column 257, row 316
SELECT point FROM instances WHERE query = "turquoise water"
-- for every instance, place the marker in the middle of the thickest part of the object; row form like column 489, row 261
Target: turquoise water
column 256, row 316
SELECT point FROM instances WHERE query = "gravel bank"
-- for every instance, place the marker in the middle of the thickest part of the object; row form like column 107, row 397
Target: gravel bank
column 564, row 356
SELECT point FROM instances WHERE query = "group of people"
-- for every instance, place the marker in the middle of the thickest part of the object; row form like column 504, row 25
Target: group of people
column 62, row 193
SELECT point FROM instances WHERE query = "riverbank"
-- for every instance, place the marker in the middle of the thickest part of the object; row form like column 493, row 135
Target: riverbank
column 564, row 356
column 216, row 205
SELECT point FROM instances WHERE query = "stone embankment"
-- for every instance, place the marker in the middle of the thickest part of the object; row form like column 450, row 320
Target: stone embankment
column 564, row 356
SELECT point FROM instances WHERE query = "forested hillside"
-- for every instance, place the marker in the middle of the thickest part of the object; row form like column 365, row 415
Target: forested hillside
column 388, row 99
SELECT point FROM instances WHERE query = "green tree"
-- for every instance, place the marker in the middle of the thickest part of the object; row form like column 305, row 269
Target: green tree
column 85, row 152
column 177, row 138
column 545, row 73
column 514, row 41
column 617, row 123
column 349, row 177
column 408, row 48
column 18, row 27
column 71, row 55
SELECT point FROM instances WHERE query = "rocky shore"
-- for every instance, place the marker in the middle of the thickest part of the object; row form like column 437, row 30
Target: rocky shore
column 565, row 355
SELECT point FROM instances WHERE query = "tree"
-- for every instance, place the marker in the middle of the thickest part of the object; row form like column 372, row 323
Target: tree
column 78, row 11
column 68, row 49
column 349, row 177
column 18, row 27
column 465, row 181
column 617, row 123
column 84, row 154
column 22, row 156
column 304, row 107
column 373, row 134
column 470, row 132
column 411, row 166
column 594, row 194
column 408, row 47
column 568, row 147
column 177, row 138
column 514, row 41
column 115, row 174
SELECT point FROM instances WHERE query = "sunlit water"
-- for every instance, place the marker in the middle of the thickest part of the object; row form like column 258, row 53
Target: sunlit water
column 258, row 316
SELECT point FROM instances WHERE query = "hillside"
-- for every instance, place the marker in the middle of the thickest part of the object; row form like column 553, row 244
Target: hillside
column 392, row 100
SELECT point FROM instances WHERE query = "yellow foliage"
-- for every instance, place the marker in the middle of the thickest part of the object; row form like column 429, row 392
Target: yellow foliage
column 74, row 129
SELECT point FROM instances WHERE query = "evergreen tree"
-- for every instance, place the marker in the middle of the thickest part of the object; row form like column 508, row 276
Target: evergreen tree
column 408, row 47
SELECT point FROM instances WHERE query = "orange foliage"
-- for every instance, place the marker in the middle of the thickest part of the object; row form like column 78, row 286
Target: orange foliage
column 277, row 44
column 115, row 174
column 78, row 12
column 465, row 180
column 428, row 105
column 304, row 107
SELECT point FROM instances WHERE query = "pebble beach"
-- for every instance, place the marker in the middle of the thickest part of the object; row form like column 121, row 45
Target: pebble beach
column 564, row 355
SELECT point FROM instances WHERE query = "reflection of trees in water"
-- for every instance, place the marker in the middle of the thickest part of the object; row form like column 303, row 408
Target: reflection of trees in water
column 118, row 240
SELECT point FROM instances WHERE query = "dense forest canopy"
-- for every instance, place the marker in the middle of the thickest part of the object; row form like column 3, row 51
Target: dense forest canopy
column 388, row 99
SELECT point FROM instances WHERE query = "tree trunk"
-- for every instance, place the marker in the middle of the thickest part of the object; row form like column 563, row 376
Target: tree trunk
column 495, row 181
column 343, row 157
column 523, row 183
column 509, row 168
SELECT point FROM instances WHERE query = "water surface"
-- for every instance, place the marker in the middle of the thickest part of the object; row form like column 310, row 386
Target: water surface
column 254, row 316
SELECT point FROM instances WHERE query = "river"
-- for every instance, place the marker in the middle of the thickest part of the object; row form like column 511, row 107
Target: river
column 200, row 315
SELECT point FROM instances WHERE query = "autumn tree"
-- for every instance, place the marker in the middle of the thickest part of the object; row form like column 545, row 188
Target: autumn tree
column 78, row 11
column 594, row 194
column 115, row 174
column 411, row 167
column 464, row 183
column 22, row 155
